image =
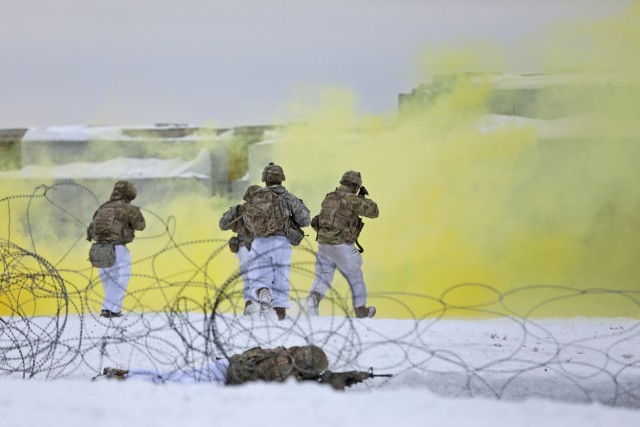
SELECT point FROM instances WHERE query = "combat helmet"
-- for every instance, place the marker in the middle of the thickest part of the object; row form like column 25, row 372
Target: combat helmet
column 351, row 177
column 273, row 173
column 123, row 190
column 250, row 190
column 309, row 360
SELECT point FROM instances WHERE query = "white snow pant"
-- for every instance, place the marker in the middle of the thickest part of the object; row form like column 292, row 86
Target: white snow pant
column 215, row 372
column 115, row 280
column 346, row 258
column 270, row 264
column 243, row 261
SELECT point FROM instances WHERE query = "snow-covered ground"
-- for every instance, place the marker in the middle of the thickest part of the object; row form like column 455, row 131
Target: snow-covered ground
column 498, row 372
column 80, row 404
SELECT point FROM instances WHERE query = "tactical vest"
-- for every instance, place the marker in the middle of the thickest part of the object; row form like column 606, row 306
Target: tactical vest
column 259, row 364
column 109, row 223
column 264, row 214
column 336, row 215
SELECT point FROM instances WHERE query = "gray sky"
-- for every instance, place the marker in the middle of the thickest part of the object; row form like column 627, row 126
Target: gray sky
column 239, row 62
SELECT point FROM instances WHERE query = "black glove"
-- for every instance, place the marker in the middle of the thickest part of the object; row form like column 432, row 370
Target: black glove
column 363, row 192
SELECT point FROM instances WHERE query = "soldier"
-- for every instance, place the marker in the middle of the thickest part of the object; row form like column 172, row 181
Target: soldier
column 276, row 364
column 338, row 226
column 302, row 363
column 257, row 364
column 112, row 228
column 275, row 217
column 240, row 245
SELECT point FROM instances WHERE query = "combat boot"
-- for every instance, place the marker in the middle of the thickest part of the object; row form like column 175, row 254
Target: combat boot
column 364, row 312
column 264, row 297
column 250, row 308
column 281, row 312
column 115, row 373
column 110, row 314
column 313, row 302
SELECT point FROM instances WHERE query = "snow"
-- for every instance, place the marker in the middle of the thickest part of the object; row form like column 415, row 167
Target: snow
column 79, row 404
column 495, row 372
column 506, row 81
column 83, row 133
column 78, row 133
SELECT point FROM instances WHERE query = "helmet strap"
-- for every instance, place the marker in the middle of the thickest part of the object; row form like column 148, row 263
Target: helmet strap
column 352, row 186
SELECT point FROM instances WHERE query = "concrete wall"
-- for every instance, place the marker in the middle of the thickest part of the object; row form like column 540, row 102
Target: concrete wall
column 64, row 145
column 10, row 148
column 539, row 96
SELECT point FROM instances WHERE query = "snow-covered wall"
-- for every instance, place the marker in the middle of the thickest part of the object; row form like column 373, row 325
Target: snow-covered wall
column 94, row 153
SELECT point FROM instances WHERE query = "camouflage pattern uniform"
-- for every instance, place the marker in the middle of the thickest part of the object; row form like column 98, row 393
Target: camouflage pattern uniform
column 355, row 207
column 338, row 229
column 276, row 364
column 232, row 220
column 306, row 362
column 270, row 256
column 115, row 279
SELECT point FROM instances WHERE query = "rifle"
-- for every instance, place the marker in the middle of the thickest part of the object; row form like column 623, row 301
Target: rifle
column 341, row 380
column 360, row 225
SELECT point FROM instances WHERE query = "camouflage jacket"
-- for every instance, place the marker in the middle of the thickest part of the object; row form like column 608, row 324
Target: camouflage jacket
column 132, row 220
column 339, row 219
column 259, row 364
column 294, row 208
column 232, row 220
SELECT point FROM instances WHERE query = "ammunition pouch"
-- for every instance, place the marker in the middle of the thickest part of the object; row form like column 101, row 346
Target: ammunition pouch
column 294, row 233
column 234, row 244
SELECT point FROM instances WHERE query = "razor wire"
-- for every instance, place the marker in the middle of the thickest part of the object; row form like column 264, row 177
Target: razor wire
column 50, row 327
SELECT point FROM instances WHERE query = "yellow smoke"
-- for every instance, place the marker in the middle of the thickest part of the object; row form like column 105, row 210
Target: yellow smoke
column 499, row 211
column 180, row 260
column 502, row 208
column 607, row 44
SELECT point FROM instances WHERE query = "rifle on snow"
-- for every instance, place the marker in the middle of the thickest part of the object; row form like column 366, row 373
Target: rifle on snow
column 342, row 380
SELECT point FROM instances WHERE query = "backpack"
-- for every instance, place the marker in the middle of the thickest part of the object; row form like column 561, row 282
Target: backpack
column 263, row 214
column 108, row 223
column 335, row 215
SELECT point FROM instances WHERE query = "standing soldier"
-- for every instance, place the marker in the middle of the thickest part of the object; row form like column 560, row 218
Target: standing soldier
column 275, row 217
column 338, row 226
column 241, row 245
column 112, row 227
